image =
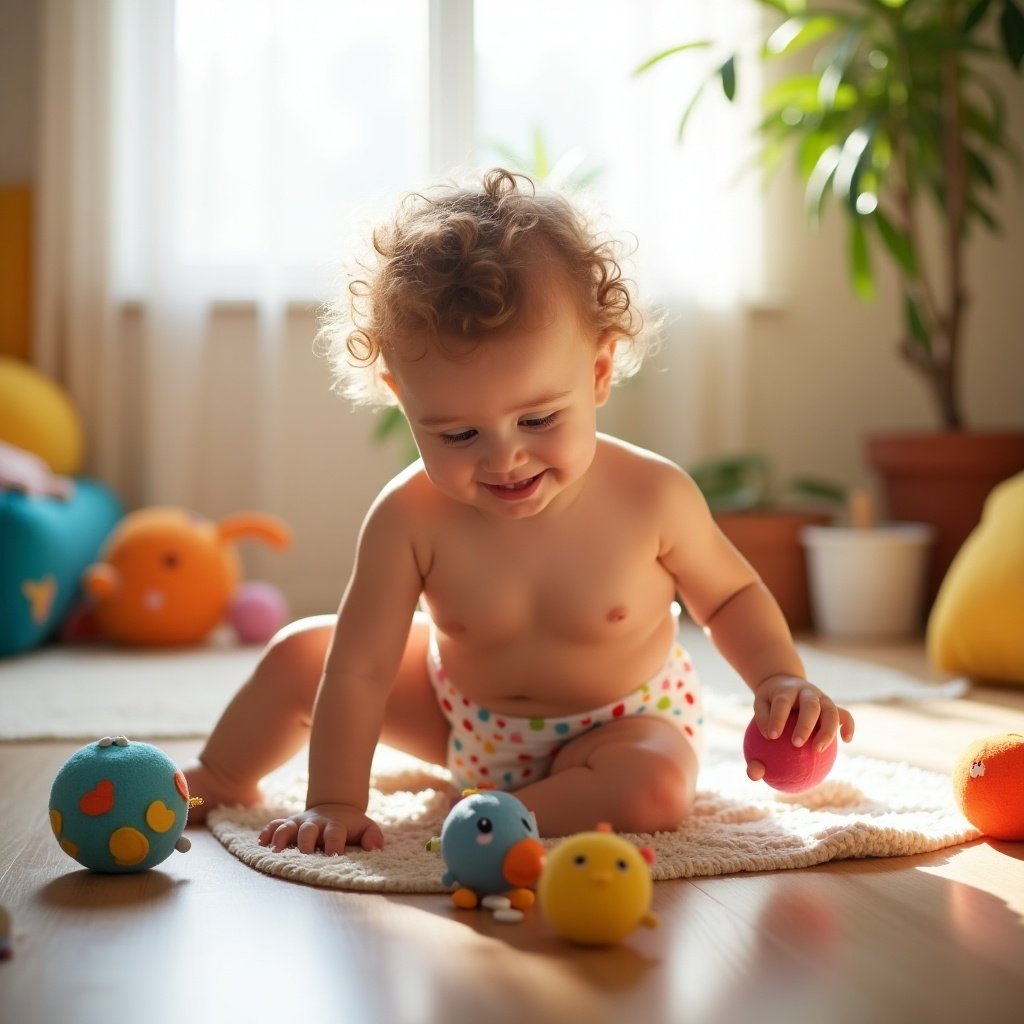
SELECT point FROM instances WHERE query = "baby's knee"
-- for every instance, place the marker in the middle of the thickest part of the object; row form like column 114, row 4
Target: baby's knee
column 658, row 794
column 295, row 654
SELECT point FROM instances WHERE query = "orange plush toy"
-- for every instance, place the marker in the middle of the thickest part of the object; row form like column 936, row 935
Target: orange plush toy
column 988, row 783
column 168, row 576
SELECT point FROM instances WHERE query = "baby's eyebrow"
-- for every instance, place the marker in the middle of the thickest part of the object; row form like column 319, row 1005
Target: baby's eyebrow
column 538, row 403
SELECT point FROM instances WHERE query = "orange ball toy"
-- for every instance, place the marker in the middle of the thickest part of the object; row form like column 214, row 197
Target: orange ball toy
column 988, row 782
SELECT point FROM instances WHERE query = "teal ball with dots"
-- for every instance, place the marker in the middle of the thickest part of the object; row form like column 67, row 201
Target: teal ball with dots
column 118, row 806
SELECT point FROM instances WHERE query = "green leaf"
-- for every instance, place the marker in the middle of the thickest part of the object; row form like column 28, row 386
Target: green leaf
column 915, row 322
column 796, row 33
column 733, row 482
column 787, row 7
column 813, row 487
column 985, row 215
column 852, row 162
column 818, row 182
column 898, row 243
column 800, row 91
column 699, row 44
column 981, row 170
column 975, row 15
column 727, row 72
column 860, row 262
column 389, row 421
column 541, row 162
column 1011, row 29
column 680, row 131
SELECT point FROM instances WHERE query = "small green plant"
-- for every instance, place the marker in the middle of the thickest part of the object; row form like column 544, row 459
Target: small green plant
column 739, row 483
column 568, row 170
column 891, row 111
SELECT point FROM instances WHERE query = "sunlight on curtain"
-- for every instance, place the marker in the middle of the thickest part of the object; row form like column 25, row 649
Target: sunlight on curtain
column 564, row 74
column 204, row 161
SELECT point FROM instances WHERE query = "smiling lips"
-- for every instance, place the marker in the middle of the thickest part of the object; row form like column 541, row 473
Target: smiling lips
column 517, row 491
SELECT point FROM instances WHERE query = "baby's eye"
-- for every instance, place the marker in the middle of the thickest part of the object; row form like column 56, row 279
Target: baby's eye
column 538, row 422
column 460, row 438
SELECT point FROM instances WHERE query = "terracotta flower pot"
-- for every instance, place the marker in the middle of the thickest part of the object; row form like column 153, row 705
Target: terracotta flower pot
column 943, row 479
column 770, row 540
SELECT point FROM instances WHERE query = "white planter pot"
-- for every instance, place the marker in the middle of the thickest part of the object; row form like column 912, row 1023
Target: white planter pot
column 867, row 583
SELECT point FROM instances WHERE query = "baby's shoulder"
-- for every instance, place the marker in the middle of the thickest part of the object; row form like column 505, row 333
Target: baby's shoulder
column 644, row 475
column 407, row 493
column 625, row 460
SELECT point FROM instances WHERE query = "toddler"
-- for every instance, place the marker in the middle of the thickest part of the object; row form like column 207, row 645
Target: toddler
column 510, row 611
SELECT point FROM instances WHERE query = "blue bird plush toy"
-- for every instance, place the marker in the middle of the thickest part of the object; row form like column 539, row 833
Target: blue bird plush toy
column 491, row 847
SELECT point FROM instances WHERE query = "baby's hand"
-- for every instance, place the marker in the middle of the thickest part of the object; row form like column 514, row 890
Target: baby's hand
column 776, row 697
column 330, row 827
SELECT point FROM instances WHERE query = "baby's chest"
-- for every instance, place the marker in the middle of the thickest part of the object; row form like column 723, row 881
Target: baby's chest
column 570, row 589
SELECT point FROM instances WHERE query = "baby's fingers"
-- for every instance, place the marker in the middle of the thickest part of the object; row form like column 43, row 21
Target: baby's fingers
column 811, row 712
column 279, row 834
column 308, row 837
column 268, row 830
column 846, row 725
column 832, row 721
column 337, row 837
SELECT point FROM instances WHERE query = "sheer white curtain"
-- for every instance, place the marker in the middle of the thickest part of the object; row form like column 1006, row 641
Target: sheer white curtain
column 204, row 160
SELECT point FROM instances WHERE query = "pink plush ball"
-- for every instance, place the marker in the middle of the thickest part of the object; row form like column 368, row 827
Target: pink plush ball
column 258, row 610
column 788, row 768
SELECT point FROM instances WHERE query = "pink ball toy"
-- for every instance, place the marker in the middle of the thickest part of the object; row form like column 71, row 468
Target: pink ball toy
column 258, row 610
column 788, row 768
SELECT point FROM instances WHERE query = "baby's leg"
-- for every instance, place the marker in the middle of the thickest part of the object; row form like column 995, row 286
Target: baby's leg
column 267, row 721
column 638, row 774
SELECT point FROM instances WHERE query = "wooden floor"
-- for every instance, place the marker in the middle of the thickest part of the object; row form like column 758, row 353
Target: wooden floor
column 932, row 938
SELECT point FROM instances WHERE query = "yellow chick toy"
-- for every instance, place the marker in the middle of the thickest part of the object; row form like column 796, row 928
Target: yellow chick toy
column 596, row 888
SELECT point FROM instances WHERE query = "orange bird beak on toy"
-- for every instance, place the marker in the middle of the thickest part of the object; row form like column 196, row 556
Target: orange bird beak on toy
column 168, row 576
column 523, row 863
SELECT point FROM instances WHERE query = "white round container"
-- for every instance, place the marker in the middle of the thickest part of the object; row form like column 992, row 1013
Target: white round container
column 867, row 583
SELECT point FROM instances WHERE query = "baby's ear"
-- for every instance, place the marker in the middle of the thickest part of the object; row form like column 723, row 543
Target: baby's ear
column 389, row 379
column 604, row 366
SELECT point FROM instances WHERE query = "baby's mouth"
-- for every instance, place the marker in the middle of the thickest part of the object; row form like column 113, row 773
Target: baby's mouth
column 519, row 489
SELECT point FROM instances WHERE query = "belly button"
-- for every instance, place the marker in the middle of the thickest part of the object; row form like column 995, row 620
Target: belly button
column 618, row 613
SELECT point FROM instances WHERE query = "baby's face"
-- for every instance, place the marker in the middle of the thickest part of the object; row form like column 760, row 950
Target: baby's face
column 509, row 427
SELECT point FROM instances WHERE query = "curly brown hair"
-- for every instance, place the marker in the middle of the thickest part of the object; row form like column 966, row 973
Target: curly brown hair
column 465, row 263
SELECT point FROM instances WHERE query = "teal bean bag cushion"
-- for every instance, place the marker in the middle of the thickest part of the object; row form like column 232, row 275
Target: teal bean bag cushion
column 45, row 545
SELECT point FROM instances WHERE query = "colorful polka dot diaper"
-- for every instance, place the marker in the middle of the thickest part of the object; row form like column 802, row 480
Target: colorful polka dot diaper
column 508, row 751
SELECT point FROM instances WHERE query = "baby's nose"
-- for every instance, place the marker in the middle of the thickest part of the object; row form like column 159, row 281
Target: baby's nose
column 502, row 456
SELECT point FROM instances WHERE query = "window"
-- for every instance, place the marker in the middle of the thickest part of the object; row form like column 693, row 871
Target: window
column 288, row 123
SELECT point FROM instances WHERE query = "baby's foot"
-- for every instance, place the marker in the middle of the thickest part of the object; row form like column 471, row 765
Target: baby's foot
column 215, row 791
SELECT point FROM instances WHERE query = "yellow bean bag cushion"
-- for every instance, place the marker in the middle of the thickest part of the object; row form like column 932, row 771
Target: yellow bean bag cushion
column 37, row 415
column 976, row 626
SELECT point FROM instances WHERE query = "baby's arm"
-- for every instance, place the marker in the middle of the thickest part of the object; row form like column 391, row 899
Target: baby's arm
column 365, row 652
column 725, row 595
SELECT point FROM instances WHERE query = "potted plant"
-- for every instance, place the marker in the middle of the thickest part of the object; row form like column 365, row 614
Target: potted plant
column 891, row 111
column 867, row 579
column 765, row 519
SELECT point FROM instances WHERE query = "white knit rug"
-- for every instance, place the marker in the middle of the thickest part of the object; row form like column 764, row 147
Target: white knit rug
column 866, row 808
